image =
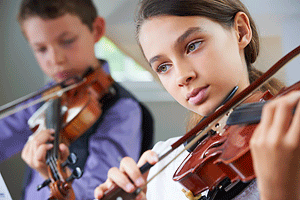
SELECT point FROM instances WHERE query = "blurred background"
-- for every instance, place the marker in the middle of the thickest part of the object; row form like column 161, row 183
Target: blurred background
column 278, row 23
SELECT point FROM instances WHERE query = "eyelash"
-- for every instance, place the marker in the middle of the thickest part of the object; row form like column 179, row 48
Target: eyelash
column 196, row 45
column 159, row 68
column 41, row 50
column 63, row 42
column 69, row 41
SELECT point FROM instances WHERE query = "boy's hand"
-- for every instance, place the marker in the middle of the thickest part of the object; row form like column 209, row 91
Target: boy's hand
column 35, row 151
column 128, row 171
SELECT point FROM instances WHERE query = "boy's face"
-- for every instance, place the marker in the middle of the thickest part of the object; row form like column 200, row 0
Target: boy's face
column 63, row 46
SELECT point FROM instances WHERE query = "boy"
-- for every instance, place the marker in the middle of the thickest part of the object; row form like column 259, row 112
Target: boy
column 62, row 34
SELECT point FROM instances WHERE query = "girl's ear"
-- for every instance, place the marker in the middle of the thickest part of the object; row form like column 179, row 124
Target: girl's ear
column 98, row 28
column 243, row 29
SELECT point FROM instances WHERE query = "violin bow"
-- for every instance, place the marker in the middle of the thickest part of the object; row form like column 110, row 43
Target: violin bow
column 10, row 108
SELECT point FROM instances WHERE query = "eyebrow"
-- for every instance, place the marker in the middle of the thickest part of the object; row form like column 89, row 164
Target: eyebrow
column 63, row 34
column 187, row 33
column 181, row 38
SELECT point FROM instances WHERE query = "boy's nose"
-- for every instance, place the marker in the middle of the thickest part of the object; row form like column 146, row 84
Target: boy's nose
column 57, row 56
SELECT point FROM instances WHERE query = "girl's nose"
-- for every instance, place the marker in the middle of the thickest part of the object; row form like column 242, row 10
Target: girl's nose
column 185, row 76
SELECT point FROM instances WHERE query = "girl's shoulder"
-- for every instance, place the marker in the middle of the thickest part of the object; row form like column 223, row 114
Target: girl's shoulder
column 163, row 145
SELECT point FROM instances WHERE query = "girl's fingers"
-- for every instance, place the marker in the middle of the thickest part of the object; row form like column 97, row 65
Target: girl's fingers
column 282, row 117
column 120, row 179
column 150, row 157
column 130, row 168
column 293, row 135
column 100, row 190
column 141, row 196
column 265, row 123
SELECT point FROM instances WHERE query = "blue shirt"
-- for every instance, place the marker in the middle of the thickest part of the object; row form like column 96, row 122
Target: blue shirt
column 119, row 134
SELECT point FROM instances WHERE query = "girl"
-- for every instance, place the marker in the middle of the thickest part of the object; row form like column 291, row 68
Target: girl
column 201, row 50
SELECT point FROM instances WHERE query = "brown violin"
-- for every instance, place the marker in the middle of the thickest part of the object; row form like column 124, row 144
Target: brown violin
column 70, row 114
column 223, row 158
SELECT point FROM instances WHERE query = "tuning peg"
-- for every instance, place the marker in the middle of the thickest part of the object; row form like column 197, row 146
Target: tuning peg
column 45, row 183
column 71, row 160
column 76, row 174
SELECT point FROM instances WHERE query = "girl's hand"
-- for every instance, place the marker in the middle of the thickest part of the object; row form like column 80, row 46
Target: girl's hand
column 35, row 151
column 275, row 149
column 128, row 171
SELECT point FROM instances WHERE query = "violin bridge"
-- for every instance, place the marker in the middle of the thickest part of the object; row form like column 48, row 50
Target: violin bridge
column 219, row 126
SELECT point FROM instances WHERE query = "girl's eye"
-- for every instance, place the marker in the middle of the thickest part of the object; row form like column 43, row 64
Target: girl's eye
column 193, row 46
column 163, row 68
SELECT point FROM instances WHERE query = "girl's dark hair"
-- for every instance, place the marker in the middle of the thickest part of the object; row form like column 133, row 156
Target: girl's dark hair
column 221, row 11
column 50, row 9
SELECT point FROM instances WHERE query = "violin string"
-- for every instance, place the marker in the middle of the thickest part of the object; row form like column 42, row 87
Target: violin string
column 54, row 114
column 189, row 145
column 193, row 141
column 39, row 100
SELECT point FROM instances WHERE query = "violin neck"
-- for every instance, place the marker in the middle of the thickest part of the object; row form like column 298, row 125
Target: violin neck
column 54, row 121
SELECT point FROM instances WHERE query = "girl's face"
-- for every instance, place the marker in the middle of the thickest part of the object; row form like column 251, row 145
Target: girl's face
column 197, row 60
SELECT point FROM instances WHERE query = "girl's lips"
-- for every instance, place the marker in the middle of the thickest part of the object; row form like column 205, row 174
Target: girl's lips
column 197, row 96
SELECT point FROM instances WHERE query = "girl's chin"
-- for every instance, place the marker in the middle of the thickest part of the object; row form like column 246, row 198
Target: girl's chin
column 204, row 110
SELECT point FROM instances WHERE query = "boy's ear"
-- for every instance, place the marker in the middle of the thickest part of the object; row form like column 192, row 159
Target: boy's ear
column 98, row 28
column 243, row 29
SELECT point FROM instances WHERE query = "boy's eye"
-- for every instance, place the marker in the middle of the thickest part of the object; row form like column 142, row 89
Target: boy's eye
column 163, row 68
column 41, row 49
column 193, row 46
column 69, row 41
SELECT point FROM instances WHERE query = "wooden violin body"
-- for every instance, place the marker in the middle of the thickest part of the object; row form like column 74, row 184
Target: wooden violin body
column 221, row 155
column 71, row 114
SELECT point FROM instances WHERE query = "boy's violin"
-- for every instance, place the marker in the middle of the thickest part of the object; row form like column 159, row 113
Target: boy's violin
column 222, row 158
column 70, row 115
column 70, row 109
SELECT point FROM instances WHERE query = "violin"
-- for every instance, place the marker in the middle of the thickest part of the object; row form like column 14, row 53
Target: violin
column 70, row 109
column 222, row 158
column 59, row 182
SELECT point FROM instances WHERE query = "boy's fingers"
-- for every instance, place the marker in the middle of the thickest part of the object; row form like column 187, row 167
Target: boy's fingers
column 64, row 149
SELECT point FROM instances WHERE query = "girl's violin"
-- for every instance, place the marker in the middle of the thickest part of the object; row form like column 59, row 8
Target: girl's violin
column 222, row 158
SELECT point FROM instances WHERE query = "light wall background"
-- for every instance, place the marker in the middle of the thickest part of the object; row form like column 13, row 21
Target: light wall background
column 277, row 20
